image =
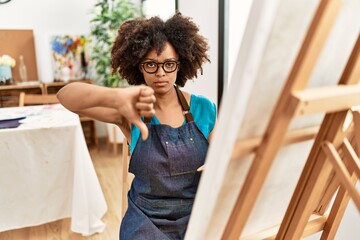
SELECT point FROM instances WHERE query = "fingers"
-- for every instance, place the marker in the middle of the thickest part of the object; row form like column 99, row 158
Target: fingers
column 145, row 109
column 147, row 99
column 146, row 91
column 145, row 104
column 142, row 127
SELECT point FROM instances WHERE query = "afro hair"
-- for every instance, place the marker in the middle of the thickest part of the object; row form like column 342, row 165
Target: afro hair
column 136, row 37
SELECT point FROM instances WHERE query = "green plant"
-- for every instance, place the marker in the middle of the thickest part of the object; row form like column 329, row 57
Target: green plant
column 109, row 15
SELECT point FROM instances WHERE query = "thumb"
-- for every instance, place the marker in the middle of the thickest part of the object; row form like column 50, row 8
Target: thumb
column 142, row 127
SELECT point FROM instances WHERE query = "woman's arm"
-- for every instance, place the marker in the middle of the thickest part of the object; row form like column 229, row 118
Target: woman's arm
column 211, row 135
column 209, row 139
column 120, row 106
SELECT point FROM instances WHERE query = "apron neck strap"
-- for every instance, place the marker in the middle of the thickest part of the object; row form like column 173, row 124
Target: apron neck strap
column 184, row 105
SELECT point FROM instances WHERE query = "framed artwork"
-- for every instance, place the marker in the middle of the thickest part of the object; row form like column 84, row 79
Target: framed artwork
column 70, row 57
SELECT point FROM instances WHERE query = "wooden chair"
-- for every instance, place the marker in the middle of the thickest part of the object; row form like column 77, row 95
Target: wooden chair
column 37, row 99
column 114, row 137
column 126, row 176
column 89, row 129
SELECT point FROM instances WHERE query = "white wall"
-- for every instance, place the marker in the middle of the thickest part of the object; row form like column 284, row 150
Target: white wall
column 205, row 15
column 151, row 8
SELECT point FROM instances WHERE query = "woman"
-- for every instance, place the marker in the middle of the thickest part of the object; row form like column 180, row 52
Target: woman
column 160, row 56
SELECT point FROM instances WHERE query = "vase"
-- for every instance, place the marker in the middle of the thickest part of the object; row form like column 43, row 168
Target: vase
column 5, row 73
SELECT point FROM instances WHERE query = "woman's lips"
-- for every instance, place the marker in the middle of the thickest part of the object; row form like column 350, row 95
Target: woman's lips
column 160, row 84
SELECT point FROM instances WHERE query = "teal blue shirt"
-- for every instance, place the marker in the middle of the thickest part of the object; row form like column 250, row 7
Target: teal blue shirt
column 204, row 114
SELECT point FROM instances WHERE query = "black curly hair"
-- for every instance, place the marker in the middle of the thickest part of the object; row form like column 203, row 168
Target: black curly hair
column 136, row 37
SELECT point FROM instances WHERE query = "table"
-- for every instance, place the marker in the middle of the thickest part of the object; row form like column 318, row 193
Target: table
column 9, row 97
column 46, row 172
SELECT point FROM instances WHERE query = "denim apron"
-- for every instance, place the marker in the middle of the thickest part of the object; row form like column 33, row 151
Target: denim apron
column 166, row 179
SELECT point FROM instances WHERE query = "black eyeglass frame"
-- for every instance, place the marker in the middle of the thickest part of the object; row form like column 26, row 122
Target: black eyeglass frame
column 162, row 66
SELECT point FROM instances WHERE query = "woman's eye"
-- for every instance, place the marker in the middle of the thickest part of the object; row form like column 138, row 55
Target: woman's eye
column 169, row 64
column 151, row 64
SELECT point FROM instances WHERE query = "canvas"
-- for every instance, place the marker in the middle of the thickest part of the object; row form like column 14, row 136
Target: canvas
column 273, row 37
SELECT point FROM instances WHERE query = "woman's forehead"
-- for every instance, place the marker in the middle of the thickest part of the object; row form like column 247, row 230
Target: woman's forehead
column 168, row 52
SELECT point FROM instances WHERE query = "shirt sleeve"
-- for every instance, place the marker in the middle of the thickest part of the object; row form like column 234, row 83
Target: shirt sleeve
column 204, row 113
column 135, row 134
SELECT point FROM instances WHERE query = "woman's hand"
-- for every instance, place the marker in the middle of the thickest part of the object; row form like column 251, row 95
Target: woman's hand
column 140, row 103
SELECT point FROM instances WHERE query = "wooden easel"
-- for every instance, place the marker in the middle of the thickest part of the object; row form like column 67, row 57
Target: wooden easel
column 323, row 161
column 332, row 168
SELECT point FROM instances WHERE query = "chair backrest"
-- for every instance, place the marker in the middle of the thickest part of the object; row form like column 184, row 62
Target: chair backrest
column 126, row 177
column 37, row 99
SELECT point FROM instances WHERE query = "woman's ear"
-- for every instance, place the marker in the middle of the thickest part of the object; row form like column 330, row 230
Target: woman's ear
column 140, row 68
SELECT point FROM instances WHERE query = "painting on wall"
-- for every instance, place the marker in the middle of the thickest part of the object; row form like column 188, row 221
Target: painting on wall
column 70, row 57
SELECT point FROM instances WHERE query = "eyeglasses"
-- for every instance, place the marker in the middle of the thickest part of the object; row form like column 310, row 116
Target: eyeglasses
column 152, row 67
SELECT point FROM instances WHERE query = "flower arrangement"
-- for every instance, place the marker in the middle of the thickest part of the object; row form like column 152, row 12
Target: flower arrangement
column 6, row 63
column 69, row 56
column 6, row 60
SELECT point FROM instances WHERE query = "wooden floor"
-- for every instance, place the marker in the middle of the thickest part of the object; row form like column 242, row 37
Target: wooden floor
column 108, row 169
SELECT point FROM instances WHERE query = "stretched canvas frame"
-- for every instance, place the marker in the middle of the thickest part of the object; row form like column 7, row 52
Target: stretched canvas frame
column 226, row 186
column 17, row 42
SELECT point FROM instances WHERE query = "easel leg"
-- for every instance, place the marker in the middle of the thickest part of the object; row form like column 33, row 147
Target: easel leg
column 328, row 195
column 356, row 119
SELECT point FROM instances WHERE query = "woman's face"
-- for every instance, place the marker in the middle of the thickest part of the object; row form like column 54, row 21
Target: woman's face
column 160, row 71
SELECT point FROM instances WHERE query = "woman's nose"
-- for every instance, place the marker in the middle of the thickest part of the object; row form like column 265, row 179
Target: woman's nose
column 160, row 71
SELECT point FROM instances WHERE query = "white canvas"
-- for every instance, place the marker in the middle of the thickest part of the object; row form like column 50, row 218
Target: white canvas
column 274, row 33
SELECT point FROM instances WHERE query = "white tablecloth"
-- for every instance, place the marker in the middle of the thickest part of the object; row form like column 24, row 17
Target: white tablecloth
column 46, row 172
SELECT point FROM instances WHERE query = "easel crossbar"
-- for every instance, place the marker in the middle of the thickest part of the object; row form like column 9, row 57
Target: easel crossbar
column 316, row 224
column 326, row 99
column 248, row 146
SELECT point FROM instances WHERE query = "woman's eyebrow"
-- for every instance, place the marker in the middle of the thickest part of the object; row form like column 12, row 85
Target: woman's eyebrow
column 154, row 60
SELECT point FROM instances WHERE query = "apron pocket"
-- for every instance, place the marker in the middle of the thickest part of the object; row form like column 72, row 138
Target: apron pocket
column 183, row 156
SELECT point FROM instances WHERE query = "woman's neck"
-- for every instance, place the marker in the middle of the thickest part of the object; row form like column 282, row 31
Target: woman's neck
column 166, row 100
column 168, row 109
